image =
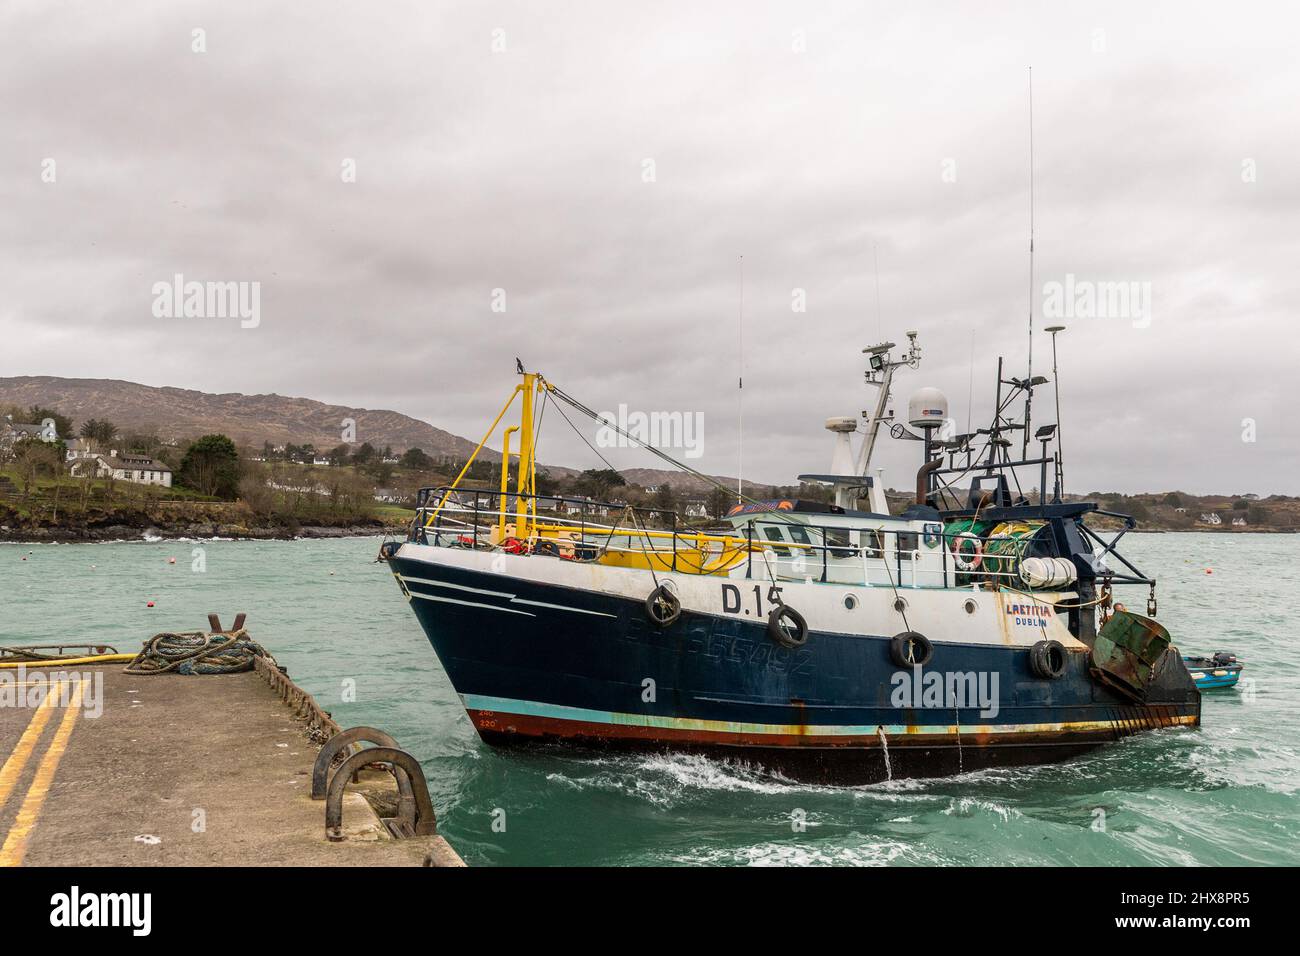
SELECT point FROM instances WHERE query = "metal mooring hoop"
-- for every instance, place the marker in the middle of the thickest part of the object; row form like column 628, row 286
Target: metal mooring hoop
column 414, row 806
column 334, row 746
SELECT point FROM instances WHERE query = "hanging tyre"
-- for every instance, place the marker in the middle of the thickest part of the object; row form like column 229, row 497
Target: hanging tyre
column 662, row 606
column 1047, row 659
column 787, row 627
column 910, row 649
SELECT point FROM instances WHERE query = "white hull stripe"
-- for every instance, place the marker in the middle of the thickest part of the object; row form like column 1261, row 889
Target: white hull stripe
column 502, row 594
column 490, row 607
column 557, row 711
column 560, row 607
column 456, row 587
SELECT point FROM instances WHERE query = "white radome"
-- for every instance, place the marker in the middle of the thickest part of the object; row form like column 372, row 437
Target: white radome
column 843, row 428
column 928, row 407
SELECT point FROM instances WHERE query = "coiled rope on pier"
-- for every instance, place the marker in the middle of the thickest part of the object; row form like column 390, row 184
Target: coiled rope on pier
column 197, row 652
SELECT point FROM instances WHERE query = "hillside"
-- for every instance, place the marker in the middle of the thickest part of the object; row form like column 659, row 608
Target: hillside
column 182, row 413
column 178, row 413
column 681, row 482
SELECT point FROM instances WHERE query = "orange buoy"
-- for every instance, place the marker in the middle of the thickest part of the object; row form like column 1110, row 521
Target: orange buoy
column 171, row 560
column 148, row 604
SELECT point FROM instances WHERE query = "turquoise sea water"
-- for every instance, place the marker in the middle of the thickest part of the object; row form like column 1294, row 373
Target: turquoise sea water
column 1226, row 794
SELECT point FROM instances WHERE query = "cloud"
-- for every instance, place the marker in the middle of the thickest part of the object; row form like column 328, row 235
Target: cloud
column 813, row 141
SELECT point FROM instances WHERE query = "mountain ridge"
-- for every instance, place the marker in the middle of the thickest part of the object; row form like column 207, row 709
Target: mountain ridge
column 175, row 413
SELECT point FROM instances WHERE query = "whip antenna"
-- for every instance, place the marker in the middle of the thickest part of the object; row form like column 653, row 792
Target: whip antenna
column 880, row 322
column 1029, row 378
column 740, row 392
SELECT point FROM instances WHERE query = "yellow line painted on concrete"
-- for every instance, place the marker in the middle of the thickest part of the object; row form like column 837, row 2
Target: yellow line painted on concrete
column 64, row 661
column 15, row 845
column 13, row 768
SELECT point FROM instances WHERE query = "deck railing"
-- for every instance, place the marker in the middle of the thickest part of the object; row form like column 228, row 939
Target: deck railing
column 468, row 517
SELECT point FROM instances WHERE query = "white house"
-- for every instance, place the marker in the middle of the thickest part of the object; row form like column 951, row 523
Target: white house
column 1211, row 517
column 695, row 507
column 12, row 431
column 1239, row 522
column 77, row 448
column 140, row 469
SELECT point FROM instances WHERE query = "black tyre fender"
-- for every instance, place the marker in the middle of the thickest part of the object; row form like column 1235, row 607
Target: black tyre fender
column 910, row 649
column 1047, row 659
column 662, row 606
column 787, row 626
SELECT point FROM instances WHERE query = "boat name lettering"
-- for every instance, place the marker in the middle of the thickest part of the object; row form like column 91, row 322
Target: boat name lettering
column 1030, row 615
column 733, row 601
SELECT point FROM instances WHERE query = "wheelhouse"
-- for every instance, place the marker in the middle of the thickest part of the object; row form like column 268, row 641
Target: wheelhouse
column 816, row 542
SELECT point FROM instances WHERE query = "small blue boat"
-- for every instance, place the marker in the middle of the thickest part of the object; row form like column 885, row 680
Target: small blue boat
column 1221, row 670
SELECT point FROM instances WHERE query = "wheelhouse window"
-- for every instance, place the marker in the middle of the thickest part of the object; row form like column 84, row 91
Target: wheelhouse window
column 873, row 543
column 773, row 533
column 907, row 544
column 837, row 540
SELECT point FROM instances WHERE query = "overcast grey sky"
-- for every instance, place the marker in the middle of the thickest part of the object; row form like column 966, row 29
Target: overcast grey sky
column 504, row 146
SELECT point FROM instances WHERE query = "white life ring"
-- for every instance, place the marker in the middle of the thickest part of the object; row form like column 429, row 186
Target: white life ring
column 958, row 558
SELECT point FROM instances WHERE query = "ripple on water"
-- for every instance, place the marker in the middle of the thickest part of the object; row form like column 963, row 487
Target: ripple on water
column 1225, row 794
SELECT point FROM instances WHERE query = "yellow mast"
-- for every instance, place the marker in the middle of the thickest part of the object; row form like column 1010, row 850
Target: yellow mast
column 523, row 479
column 486, row 435
column 526, row 474
column 505, row 478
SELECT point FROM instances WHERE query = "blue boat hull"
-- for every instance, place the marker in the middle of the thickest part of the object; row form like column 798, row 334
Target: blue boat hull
column 537, row 662
column 1210, row 676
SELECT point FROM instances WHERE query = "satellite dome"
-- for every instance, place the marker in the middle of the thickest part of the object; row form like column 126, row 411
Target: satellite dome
column 927, row 408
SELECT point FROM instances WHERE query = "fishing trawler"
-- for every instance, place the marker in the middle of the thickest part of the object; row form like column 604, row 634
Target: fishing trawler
column 827, row 640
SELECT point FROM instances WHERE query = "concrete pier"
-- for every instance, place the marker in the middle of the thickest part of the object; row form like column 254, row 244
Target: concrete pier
column 172, row 770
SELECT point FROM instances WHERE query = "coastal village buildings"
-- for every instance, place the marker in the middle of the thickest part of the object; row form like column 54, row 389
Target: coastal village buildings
column 12, row 431
column 695, row 507
column 1211, row 517
column 77, row 448
column 140, row 469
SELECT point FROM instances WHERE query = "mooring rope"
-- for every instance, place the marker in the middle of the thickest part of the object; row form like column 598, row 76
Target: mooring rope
column 197, row 652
